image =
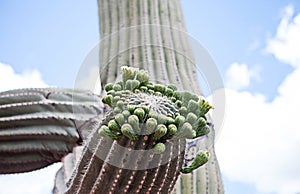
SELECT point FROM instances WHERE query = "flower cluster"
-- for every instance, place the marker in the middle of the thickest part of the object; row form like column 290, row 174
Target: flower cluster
column 140, row 108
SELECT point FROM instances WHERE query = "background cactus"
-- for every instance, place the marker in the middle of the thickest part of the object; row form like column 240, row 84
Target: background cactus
column 151, row 35
column 148, row 35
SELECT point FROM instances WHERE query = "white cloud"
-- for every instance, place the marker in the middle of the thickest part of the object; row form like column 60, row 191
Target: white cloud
column 88, row 78
column 238, row 76
column 37, row 182
column 286, row 44
column 9, row 79
column 260, row 140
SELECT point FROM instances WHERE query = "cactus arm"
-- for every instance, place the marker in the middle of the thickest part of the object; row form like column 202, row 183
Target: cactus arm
column 38, row 127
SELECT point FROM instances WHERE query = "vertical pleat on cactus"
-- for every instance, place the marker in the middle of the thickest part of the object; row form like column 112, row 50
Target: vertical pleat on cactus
column 139, row 146
column 38, row 126
column 152, row 35
column 137, row 141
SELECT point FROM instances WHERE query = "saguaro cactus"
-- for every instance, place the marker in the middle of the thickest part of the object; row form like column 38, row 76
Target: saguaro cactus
column 151, row 35
column 136, row 141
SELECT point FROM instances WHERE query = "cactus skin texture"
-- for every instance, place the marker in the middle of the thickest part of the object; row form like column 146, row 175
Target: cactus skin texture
column 143, row 117
column 38, row 127
column 160, row 46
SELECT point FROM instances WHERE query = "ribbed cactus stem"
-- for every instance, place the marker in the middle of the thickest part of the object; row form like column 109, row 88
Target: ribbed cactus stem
column 142, row 155
column 162, row 46
column 38, row 126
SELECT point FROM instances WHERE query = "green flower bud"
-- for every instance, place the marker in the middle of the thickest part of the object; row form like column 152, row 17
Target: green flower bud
column 128, row 73
column 150, row 86
column 143, row 77
column 187, row 96
column 108, row 100
column 120, row 104
column 120, row 119
column 201, row 122
column 159, row 148
column 159, row 88
column 170, row 120
column 117, row 110
column 150, row 91
column 172, row 87
column 178, row 103
column 203, row 131
column 204, row 107
column 133, row 120
column 119, row 93
column 116, row 98
column 187, row 131
column 183, row 110
column 146, row 109
column 158, row 94
column 126, row 114
column 135, row 84
column 160, row 131
column 131, row 108
column 105, row 131
column 172, row 129
column 191, row 118
column 143, row 88
column 179, row 120
column 140, row 113
column 137, row 91
column 177, row 95
column 151, row 124
column 173, row 99
column 130, row 85
column 108, row 87
column 125, row 92
column 169, row 92
column 200, row 159
column 114, row 126
column 161, row 119
column 111, row 92
column 117, row 87
column 128, row 132
column 193, row 106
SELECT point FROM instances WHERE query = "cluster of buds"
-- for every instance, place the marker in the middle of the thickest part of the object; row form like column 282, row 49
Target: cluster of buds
column 140, row 108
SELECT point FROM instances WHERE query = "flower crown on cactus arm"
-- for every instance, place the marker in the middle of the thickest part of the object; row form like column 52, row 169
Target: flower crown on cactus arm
column 158, row 112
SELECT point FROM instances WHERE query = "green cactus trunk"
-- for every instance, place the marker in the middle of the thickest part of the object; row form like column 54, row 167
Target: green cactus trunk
column 159, row 44
column 38, row 127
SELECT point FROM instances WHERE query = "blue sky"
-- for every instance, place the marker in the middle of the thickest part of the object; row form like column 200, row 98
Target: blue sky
column 250, row 43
